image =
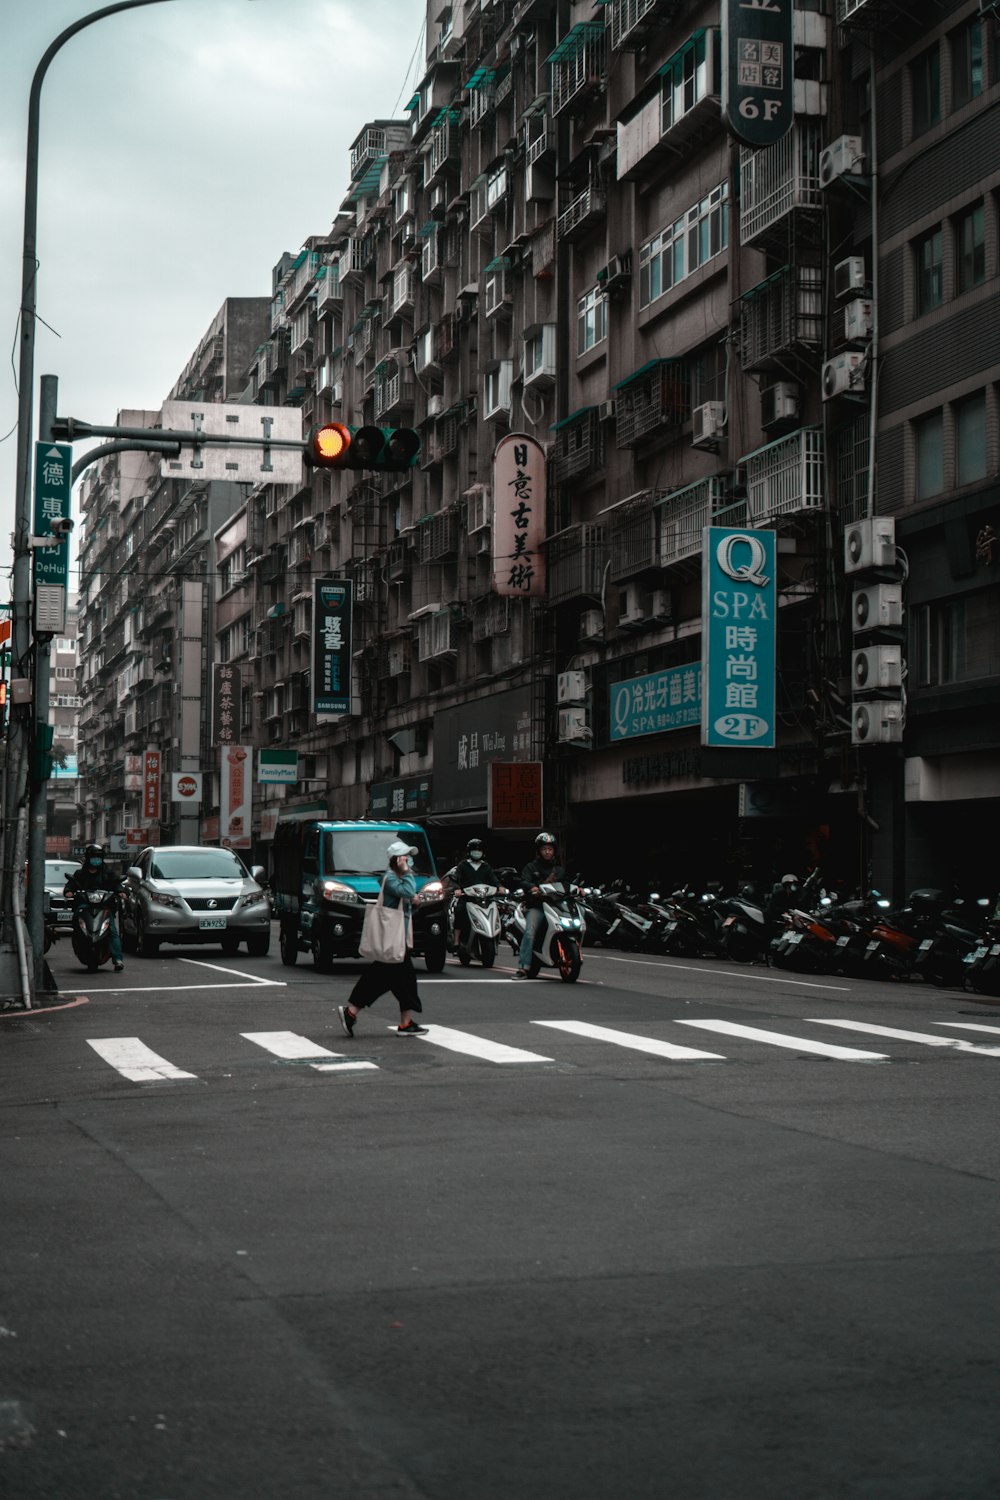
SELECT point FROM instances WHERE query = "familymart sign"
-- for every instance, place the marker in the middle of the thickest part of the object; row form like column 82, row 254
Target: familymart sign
column 277, row 767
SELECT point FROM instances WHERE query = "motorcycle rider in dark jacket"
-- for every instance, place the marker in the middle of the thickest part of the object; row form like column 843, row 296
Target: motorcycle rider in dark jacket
column 542, row 870
column 474, row 869
column 94, row 875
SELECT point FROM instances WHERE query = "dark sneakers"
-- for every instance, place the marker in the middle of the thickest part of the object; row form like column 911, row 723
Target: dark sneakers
column 346, row 1019
column 411, row 1030
column 118, row 967
column 521, row 974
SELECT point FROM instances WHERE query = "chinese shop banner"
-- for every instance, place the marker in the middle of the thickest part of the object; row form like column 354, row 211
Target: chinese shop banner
column 332, row 645
column 234, row 796
column 227, row 691
column 519, row 518
column 757, row 74
column 152, row 768
column 739, row 609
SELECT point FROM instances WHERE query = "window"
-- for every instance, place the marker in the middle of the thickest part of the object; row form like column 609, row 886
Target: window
column 928, row 271
column 925, row 80
column 591, row 320
column 970, row 439
column 970, row 247
column 929, row 442
column 955, row 640
column 684, row 81
column 967, row 62
column 676, row 252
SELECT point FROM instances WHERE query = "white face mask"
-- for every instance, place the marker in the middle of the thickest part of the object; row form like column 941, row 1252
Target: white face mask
column 475, row 857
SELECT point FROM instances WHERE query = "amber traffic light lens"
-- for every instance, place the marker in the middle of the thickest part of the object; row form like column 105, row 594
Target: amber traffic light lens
column 331, row 442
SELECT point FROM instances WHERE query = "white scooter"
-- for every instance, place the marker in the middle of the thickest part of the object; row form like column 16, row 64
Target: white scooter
column 559, row 940
column 482, row 924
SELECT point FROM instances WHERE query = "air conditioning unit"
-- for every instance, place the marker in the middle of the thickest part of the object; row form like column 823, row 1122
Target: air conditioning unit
column 878, row 607
column 630, row 606
column 659, row 605
column 591, row 625
column 870, row 543
column 875, row 668
column 606, row 411
column 842, row 158
column 844, row 375
column 879, row 722
column 849, row 276
column 571, row 687
column 616, row 275
column 337, row 393
column 573, row 727
column 779, row 403
column 708, row 424
column 858, row 319
column 438, row 197
column 435, row 405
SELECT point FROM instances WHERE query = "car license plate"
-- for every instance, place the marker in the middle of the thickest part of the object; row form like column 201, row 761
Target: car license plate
column 842, row 942
column 792, row 938
column 64, row 916
column 995, row 950
column 872, row 948
column 975, row 955
column 211, row 923
column 927, row 943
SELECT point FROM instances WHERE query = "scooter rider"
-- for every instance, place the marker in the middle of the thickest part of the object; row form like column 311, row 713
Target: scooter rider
column 94, row 875
column 474, row 869
column 542, row 870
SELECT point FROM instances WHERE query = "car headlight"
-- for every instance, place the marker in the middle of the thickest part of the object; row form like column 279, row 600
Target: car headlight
column 336, row 890
column 254, row 899
column 164, row 898
column 432, row 891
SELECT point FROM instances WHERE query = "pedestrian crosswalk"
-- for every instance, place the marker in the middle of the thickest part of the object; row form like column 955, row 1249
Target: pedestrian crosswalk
column 135, row 1061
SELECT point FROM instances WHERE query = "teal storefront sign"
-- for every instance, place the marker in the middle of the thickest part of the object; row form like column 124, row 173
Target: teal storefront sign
column 657, row 702
column 738, row 632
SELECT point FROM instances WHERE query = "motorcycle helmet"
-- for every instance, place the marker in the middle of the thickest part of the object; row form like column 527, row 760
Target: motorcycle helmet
column 545, row 838
column 789, row 880
column 474, row 851
column 93, row 856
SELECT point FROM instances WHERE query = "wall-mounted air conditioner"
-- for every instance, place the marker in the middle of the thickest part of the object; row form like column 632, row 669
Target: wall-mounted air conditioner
column 876, row 668
column 573, row 727
column 591, row 625
column 842, row 158
column 878, row 607
column 571, row 687
column 879, row 722
column 779, row 403
column 858, row 319
column 631, row 608
column 849, row 276
column 337, row 393
column 844, row 375
column 708, row 424
column 658, row 605
column 616, row 275
column 435, row 405
column 870, row 543
column 606, row 411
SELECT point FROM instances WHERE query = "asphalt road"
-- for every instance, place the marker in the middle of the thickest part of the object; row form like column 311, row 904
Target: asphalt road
column 680, row 1230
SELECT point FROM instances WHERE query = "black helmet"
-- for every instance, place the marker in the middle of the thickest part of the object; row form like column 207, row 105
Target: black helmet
column 545, row 838
column 474, row 845
column 93, row 850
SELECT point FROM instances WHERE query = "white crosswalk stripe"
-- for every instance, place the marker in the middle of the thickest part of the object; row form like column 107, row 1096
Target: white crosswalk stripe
column 778, row 1039
column 629, row 1039
column 477, row 1046
column 134, row 1060
column 291, row 1047
column 925, row 1038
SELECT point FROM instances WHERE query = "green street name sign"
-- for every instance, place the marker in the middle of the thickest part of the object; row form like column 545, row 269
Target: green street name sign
column 53, row 487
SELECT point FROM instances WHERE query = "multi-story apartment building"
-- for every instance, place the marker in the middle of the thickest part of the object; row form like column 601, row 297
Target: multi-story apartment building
column 562, row 238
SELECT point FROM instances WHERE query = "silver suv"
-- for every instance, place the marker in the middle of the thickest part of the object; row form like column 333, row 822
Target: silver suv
column 183, row 893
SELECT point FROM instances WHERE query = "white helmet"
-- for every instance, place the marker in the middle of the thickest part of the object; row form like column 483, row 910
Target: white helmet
column 397, row 847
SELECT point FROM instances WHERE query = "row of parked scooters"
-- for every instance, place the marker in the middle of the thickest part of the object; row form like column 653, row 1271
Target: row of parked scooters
column 936, row 936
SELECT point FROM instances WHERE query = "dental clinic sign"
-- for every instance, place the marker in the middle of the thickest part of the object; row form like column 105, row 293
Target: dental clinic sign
column 739, row 609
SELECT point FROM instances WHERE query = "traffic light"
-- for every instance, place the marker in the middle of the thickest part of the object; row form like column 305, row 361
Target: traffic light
column 336, row 446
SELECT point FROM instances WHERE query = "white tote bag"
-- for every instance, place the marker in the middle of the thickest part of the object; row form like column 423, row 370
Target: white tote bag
column 383, row 934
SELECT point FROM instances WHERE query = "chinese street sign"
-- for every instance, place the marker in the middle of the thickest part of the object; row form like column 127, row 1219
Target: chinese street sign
column 758, row 74
column 738, row 636
column 649, row 705
column 332, row 645
column 227, row 691
column 234, row 796
column 133, row 773
column 151, row 770
column 53, row 487
column 515, row 794
column 277, row 766
column 519, row 517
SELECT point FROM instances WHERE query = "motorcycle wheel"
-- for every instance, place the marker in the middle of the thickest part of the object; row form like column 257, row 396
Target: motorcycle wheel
column 568, row 955
column 487, row 951
column 288, row 942
column 463, row 955
column 739, row 946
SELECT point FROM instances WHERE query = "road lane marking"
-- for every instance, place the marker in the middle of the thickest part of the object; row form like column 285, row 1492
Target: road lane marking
column 627, row 1039
column 294, row 1048
column 476, row 1046
column 171, row 989
column 134, row 1060
column 969, row 1026
column 202, row 963
column 925, row 1038
column 747, row 973
column 778, row 1039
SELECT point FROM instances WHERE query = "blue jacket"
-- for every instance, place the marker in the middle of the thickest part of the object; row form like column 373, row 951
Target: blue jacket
column 398, row 890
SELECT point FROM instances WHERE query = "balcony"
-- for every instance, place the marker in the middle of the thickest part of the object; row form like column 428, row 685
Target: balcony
column 656, row 398
column 490, row 617
column 681, row 516
column 780, row 180
column 328, row 289
column 685, row 107
column 579, row 445
column 579, row 66
column 393, row 392
column 631, row 21
column 581, row 213
column 404, row 287
column 443, row 147
column 631, row 530
column 786, row 477
column 437, row 537
column 782, row 317
column 575, row 562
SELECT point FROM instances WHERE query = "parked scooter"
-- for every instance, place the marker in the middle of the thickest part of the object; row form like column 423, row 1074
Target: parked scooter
column 559, row 939
column 91, row 931
column 943, row 956
column 482, row 924
column 750, row 925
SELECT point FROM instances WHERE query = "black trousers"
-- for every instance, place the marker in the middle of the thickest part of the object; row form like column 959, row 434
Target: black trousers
column 387, row 979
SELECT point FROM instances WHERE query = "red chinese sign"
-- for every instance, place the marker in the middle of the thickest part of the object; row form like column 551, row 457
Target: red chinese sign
column 515, row 794
column 151, row 770
column 519, row 517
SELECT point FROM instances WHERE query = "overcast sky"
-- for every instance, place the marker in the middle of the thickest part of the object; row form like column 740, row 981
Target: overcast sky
column 184, row 146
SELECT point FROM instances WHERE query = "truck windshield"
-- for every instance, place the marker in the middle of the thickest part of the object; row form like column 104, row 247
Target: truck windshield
column 362, row 851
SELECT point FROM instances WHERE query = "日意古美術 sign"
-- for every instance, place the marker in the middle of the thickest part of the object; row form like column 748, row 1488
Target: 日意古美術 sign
column 738, row 633
column 659, row 701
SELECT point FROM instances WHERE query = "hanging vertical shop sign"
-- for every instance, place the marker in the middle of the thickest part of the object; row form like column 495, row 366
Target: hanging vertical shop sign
column 227, row 692
column 332, row 645
column 739, row 608
column 151, row 772
column 133, row 773
column 758, row 74
column 234, row 796
column 519, row 517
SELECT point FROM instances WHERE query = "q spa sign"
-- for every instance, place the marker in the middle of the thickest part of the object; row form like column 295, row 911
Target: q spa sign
column 739, row 608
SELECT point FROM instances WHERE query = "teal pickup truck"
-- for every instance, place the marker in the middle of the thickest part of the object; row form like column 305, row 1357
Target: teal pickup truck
column 324, row 873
